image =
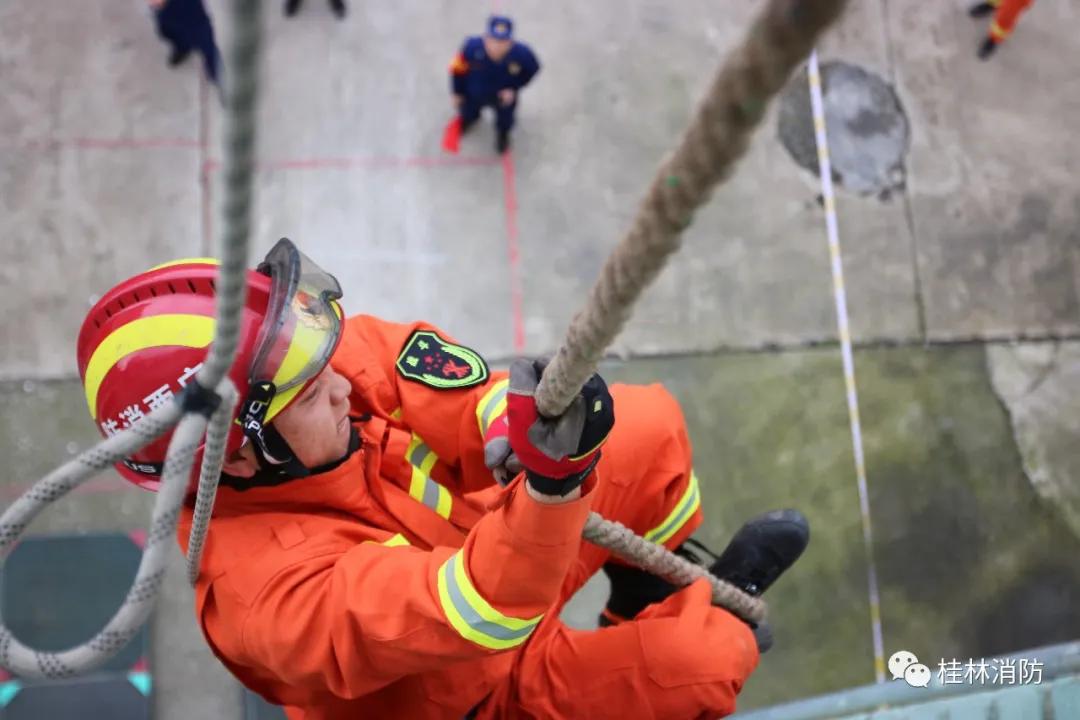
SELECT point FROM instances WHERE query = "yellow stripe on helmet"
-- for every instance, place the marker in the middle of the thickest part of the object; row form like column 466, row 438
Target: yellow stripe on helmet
column 183, row 330
column 186, row 261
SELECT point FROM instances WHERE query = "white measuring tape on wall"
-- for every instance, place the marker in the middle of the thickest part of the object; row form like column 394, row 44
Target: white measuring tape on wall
column 840, row 297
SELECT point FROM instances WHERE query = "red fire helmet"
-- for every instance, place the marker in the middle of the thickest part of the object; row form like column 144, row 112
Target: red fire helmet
column 146, row 339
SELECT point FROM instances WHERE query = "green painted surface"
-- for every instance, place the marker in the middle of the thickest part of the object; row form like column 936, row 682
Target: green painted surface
column 970, row 561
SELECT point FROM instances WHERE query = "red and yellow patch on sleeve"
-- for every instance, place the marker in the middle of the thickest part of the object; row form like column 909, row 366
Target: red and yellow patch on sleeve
column 459, row 65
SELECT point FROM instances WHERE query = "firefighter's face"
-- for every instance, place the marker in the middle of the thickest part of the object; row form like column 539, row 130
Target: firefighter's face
column 316, row 424
column 496, row 49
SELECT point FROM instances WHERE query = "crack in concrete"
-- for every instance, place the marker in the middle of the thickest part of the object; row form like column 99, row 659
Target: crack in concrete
column 1045, row 371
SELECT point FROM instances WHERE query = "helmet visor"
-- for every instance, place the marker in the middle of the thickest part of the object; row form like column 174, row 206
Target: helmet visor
column 302, row 326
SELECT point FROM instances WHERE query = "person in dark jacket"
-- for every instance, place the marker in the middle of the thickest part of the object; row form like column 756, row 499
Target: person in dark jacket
column 490, row 71
column 186, row 26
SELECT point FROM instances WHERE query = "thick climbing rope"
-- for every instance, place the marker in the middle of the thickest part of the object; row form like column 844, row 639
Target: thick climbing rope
column 186, row 415
column 209, row 476
column 781, row 37
column 718, row 136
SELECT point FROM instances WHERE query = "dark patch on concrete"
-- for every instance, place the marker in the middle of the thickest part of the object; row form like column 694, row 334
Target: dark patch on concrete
column 961, row 539
column 870, row 122
column 1035, row 213
column 867, row 127
column 915, row 518
column 1038, row 608
column 1032, row 260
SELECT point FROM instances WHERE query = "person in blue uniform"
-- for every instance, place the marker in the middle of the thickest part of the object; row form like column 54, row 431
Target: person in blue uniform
column 490, row 71
column 186, row 26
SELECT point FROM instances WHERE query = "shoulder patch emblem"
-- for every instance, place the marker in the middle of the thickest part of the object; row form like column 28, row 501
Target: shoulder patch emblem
column 459, row 65
column 430, row 360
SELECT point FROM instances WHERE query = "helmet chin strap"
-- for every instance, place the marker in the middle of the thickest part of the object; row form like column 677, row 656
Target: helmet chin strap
column 275, row 473
column 272, row 452
column 276, row 459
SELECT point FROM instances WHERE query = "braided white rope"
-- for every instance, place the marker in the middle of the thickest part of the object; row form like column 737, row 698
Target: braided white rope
column 133, row 612
column 209, row 476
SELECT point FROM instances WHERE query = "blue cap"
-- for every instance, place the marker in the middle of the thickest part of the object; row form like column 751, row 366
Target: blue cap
column 500, row 27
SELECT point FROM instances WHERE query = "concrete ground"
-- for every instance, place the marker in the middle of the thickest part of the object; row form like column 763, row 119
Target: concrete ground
column 962, row 274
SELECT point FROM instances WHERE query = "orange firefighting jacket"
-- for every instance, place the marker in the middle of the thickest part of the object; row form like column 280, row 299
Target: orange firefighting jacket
column 399, row 583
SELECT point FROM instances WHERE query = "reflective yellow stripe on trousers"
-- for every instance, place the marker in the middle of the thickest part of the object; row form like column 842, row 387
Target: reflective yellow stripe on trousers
column 676, row 519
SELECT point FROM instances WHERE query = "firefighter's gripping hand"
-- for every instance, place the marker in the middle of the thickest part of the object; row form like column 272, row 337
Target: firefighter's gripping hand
column 498, row 456
column 557, row 453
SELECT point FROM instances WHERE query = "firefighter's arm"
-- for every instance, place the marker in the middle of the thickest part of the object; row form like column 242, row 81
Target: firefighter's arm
column 442, row 391
column 350, row 623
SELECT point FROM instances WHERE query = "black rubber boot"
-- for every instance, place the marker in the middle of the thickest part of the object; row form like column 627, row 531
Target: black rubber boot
column 291, row 7
column 632, row 590
column 338, row 6
column 762, row 550
column 981, row 10
column 502, row 141
column 753, row 560
column 987, row 48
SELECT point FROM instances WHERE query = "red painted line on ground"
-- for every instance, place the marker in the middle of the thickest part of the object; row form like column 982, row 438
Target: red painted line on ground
column 374, row 163
column 510, row 204
column 103, row 143
column 39, row 145
column 205, row 168
column 91, row 143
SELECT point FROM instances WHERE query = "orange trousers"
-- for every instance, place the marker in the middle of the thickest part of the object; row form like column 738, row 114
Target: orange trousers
column 681, row 658
column 1005, row 17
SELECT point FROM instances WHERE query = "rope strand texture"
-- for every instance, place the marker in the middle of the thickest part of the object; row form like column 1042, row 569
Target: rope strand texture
column 717, row 138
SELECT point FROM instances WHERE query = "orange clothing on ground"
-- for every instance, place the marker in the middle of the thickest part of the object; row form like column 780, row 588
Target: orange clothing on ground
column 1005, row 16
column 406, row 583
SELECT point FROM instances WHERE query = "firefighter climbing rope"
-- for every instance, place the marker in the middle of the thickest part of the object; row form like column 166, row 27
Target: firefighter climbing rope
column 780, row 38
